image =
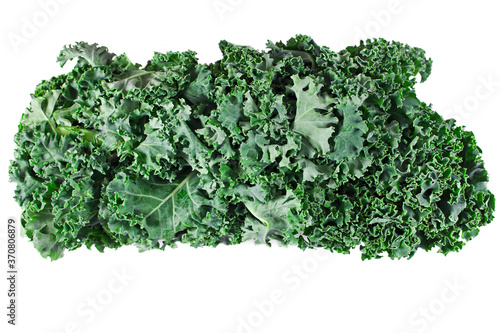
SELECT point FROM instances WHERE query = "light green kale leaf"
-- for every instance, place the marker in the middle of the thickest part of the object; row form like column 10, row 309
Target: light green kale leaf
column 158, row 208
column 270, row 219
column 42, row 109
column 317, row 127
column 349, row 140
column 91, row 54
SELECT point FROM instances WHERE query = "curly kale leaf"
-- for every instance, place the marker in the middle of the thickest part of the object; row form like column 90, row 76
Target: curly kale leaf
column 91, row 54
column 296, row 145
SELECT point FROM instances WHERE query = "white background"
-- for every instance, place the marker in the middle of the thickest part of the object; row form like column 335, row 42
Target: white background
column 234, row 289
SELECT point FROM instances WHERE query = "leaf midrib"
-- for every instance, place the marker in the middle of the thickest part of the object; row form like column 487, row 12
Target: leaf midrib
column 181, row 184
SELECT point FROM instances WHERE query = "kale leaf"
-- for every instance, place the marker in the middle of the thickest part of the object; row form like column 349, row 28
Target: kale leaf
column 298, row 145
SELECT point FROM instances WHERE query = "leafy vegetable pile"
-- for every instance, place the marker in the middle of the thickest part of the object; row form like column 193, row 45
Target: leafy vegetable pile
column 297, row 144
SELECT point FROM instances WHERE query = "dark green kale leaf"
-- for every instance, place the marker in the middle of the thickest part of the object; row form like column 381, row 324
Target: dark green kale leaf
column 296, row 145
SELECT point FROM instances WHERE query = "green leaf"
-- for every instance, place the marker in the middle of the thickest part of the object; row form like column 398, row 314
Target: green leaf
column 161, row 208
column 272, row 216
column 39, row 227
column 91, row 54
column 315, row 126
column 42, row 110
column 135, row 79
column 297, row 144
column 349, row 140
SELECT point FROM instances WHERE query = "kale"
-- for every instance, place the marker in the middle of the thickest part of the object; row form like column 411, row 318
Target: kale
column 296, row 145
